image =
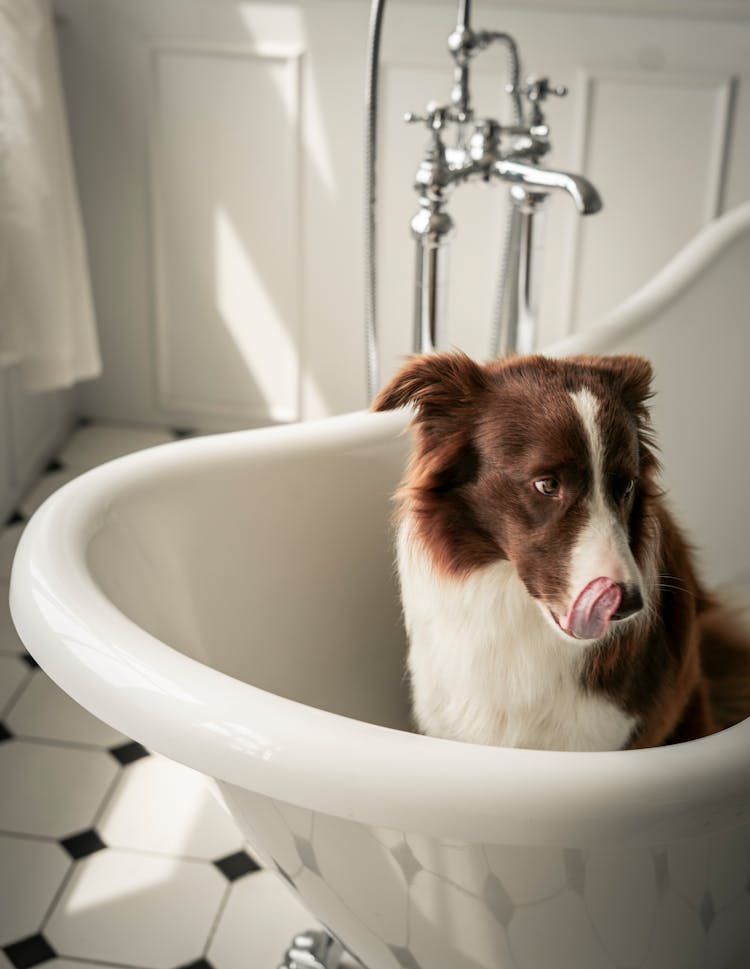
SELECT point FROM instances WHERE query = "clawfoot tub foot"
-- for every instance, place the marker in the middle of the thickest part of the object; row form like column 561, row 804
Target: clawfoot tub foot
column 313, row 950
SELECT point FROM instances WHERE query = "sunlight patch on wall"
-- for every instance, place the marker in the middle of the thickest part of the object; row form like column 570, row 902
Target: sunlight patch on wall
column 288, row 23
column 250, row 315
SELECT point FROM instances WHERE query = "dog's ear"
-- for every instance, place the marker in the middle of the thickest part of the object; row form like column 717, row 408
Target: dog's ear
column 437, row 384
column 446, row 389
column 629, row 374
column 634, row 376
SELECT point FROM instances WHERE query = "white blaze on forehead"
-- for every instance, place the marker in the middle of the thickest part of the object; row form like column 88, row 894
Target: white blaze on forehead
column 588, row 410
column 602, row 547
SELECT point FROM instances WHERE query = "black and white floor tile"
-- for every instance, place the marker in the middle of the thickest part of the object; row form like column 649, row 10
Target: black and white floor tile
column 111, row 855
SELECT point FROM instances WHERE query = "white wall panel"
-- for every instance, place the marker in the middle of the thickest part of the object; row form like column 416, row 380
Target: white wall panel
column 225, row 201
column 654, row 144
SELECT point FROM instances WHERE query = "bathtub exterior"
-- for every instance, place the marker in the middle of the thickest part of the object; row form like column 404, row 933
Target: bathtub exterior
column 405, row 900
column 230, row 603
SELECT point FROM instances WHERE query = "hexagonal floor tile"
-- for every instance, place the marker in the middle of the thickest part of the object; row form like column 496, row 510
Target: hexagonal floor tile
column 49, row 790
column 44, row 711
column 261, row 918
column 141, row 910
column 35, row 871
column 161, row 806
column 70, row 964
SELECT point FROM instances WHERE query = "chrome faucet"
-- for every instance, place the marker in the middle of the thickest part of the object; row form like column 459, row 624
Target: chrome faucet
column 532, row 177
column 485, row 150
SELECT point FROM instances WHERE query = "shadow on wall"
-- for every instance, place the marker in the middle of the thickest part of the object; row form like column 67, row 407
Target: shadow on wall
column 236, row 199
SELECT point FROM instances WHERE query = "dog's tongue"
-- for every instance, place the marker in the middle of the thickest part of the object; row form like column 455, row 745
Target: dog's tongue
column 590, row 614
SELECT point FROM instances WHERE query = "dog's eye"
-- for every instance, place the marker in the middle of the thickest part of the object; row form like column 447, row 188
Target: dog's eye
column 549, row 487
column 628, row 487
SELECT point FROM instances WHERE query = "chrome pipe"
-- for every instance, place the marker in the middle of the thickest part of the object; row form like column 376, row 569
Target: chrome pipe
column 430, row 297
column 516, row 328
column 464, row 15
column 432, row 229
column 372, row 362
column 462, row 45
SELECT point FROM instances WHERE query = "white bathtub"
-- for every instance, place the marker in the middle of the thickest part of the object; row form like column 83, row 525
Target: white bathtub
column 229, row 602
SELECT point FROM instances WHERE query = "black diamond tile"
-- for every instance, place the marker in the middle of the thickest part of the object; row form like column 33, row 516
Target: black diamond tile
column 129, row 752
column 30, row 661
column 236, row 865
column 54, row 465
column 15, row 517
column 5, row 734
column 29, row 952
column 83, row 844
column 198, row 964
column 182, row 432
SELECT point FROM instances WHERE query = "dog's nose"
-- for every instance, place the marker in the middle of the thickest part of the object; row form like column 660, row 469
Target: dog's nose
column 631, row 601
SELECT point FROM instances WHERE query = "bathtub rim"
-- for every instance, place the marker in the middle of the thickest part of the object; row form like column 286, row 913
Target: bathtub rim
column 247, row 737
column 667, row 285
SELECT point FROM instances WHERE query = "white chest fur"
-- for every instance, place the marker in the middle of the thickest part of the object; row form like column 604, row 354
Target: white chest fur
column 488, row 667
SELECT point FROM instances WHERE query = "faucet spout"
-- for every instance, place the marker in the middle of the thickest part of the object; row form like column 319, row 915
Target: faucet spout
column 586, row 198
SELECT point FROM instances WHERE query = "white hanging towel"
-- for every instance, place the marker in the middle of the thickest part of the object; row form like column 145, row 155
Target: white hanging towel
column 47, row 323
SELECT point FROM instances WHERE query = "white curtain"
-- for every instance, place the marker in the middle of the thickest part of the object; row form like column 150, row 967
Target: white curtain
column 47, row 324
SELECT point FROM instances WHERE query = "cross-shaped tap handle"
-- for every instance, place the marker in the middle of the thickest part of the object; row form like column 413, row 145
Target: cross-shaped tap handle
column 536, row 90
column 539, row 88
column 436, row 117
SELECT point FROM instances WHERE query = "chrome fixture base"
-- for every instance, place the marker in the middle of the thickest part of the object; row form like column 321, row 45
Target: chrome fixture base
column 314, row 949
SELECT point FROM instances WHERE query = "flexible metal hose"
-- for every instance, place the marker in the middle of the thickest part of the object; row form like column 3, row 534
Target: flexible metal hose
column 371, row 127
column 514, row 70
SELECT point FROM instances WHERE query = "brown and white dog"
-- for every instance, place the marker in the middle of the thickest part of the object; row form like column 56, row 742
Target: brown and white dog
column 549, row 597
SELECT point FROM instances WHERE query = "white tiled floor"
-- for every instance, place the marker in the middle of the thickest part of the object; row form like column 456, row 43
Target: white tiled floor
column 140, row 886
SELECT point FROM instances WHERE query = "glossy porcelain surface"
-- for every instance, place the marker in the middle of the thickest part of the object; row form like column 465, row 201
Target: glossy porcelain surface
column 230, row 602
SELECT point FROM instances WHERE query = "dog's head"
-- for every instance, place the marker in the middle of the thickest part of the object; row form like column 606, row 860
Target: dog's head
column 546, row 463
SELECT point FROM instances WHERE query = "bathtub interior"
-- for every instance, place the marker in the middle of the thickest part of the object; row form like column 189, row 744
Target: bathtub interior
column 274, row 567
column 274, row 564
